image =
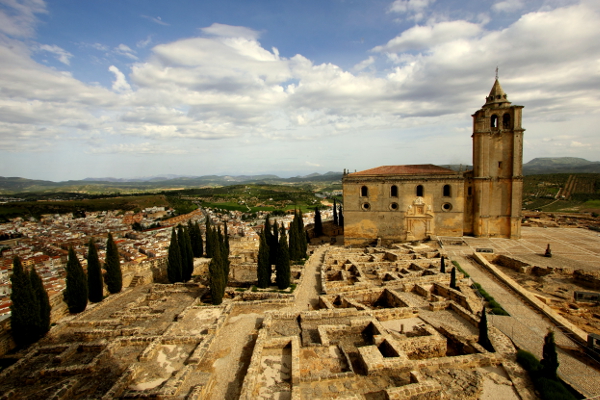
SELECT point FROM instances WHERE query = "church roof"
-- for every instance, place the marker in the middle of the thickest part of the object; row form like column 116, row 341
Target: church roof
column 497, row 95
column 422, row 169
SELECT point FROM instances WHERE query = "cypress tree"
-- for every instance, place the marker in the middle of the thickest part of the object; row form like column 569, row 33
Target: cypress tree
column 335, row 214
column 549, row 357
column 224, row 249
column 273, row 243
column 302, row 236
column 216, row 277
column 190, row 253
column 94, row 274
column 282, row 267
column 195, row 239
column 294, row 243
column 453, row 278
column 443, row 266
column 76, row 293
column 263, row 270
column 25, row 310
column 340, row 216
column 210, row 239
column 41, row 297
column 483, row 339
column 112, row 265
column 183, row 250
column 318, row 223
column 174, row 259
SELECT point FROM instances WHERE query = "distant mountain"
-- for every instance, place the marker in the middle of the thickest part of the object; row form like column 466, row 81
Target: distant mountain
column 13, row 185
column 560, row 165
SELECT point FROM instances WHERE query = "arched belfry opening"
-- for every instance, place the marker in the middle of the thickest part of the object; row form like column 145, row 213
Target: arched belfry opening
column 494, row 121
column 506, row 121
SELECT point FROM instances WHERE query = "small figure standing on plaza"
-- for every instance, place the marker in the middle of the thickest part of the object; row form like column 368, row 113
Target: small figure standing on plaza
column 548, row 253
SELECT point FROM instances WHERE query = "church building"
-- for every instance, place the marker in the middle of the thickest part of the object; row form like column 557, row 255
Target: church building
column 414, row 202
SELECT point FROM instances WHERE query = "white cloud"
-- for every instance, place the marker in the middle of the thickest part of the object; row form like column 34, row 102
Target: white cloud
column 415, row 9
column 145, row 42
column 17, row 17
column 120, row 83
column 126, row 51
column 508, row 6
column 61, row 54
column 157, row 20
column 364, row 64
column 312, row 164
column 223, row 30
column 428, row 37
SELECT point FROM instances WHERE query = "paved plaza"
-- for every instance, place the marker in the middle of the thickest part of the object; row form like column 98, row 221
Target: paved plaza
column 575, row 248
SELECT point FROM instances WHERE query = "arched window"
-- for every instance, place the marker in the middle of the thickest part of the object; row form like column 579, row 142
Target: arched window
column 394, row 191
column 494, row 121
column 420, row 190
column 364, row 192
column 446, row 191
column 506, row 121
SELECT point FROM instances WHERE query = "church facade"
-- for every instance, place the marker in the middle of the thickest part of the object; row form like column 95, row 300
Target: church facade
column 415, row 202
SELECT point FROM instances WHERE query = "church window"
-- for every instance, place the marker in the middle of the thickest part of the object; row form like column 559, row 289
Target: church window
column 394, row 206
column 366, row 206
column 420, row 190
column 446, row 207
column 470, row 191
column 506, row 121
column 394, row 191
column 364, row 191
column 494, row 121
column 499, row 164
column 446, row 191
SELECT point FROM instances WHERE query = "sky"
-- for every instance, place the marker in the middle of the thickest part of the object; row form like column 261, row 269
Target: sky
column 136, row 88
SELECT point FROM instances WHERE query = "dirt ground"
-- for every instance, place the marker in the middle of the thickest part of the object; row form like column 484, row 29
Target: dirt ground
column 560, row 288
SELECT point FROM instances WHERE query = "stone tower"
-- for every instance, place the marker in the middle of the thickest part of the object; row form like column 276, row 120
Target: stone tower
column 494, row 189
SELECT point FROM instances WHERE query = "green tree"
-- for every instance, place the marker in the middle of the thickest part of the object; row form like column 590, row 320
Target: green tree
column 443, row 266
column 335, row 214
column 112, row 265
column 25, row 310
column 549, row 357
column 303, row 239
column 318, row 223
column 210, row 239
column 187, row 257
column 217, row 279
column 263, row 269
column 41, row 297
column 274, row 243
column 76, row 293
column 196, row 239
column 174, row 260
column 453, row 278
column 94, row 274
column 190, row 256
column 282, row 266
column 225, row 252
column 483, row 339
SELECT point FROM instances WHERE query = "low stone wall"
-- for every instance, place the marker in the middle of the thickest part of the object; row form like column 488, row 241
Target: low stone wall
column 560, row 321
column 586, row 278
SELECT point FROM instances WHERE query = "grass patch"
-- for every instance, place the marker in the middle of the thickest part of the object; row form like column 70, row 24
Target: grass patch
column 493, row 305
column 458, row 267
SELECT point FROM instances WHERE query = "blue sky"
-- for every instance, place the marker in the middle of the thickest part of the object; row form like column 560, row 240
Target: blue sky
column 140, row 88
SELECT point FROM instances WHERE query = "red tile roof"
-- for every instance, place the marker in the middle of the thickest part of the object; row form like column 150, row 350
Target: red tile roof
column 422, row 169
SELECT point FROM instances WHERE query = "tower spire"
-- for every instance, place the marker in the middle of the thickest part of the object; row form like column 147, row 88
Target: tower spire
column 496, row 72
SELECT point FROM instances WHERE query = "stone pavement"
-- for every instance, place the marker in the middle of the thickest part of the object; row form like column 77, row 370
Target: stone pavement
column 527, row 328
column 576, row 248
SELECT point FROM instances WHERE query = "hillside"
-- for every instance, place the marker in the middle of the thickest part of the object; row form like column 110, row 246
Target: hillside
column 560, row 165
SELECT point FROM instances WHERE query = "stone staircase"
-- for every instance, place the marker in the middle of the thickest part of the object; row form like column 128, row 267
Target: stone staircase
column 136, row 281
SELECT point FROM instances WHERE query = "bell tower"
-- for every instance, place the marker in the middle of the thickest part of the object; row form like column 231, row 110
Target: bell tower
column 495, row 188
